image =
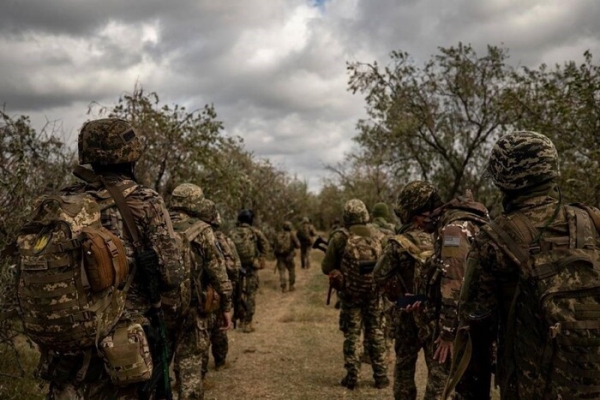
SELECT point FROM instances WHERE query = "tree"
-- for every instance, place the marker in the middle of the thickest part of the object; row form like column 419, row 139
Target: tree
column 435, row 122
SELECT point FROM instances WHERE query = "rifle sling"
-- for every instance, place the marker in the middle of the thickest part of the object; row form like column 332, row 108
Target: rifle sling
column 457, row 370
column 126, row 213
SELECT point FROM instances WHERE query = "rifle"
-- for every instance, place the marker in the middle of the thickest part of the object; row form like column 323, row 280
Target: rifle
column 320, row 244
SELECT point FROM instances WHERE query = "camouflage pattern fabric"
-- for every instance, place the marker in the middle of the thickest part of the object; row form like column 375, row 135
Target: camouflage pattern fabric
column 285, row 261
column 252, row 281
column 404, row 257
column 305, row 234
column 218, row 342
column 523, row 159
column 354, row 314
column 381, row 219
column 355, row 212
column 192, row 348
column 108, row 141
column 188, row 197
column 150, row 215
column 416, row 197
column 524, row 369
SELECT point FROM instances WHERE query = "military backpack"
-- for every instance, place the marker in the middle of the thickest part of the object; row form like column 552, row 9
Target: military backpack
column 360, row 255
column 73, row 274
column 283, row 243
column 245, row 242
column 556, row 306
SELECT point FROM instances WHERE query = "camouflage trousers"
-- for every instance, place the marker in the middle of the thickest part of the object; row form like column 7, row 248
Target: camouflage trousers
column 354, row 313
column 218, row 342
column 286, row 264
column 305, row 255
column 189, row 354
column 407, row 346
column 100, row 390
column 252, row 284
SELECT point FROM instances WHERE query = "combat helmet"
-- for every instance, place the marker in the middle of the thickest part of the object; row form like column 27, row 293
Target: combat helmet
column 207, row 212
column 415, row 198
column 108, row 141
column 287, row 226
column 523, row 159
column 381, row 210
column 355, row 212
column 187, row 197
column 245, row 216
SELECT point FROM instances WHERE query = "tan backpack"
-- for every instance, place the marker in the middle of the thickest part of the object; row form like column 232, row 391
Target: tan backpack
column 73, row 274
column 359, row 251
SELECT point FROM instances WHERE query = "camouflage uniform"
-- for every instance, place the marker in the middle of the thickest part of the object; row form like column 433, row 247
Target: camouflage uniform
column 355, row 311
column 524, row 166
column 219, row 341
column 402, row 260
column 306, row 242
column 285, row 261
column 252, row 281
column 112, row 146
column 207, row 267
column 381, row 218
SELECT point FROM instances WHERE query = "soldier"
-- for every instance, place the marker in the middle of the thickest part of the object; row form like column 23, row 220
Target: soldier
column 381, row 219
column 402, row 261
column 252, row 247
column 210, row 287
column 349, row 248
column 530, row 273
column 284, row 248
column 219, row 341
column 306, row 234
column 137, row 218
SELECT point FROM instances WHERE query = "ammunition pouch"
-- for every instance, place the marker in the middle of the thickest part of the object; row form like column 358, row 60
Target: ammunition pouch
column 126, row 354
column 61, row 368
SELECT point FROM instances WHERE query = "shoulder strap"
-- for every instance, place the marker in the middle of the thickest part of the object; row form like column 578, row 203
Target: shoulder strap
column 193, row 231
column 126, row 213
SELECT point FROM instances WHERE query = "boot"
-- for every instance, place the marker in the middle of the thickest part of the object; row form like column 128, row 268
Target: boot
column 284, row 289
column 248, row 328
column 381, row 383
column 292, row 288
column 350, row 381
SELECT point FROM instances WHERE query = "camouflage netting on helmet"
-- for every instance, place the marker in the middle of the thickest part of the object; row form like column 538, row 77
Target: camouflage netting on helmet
column 416, row 197
column 381, row 210
column 355, row 212
column 523, row 159
column 187, row 197
column 108, row 141
column 207, row 212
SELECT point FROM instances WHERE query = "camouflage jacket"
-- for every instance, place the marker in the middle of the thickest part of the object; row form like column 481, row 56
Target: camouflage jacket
column 227, row 249
column 209, row 261
column 385, row 227
column 490, row 283
column 458, row 223
column 295, row 243
column 262, row 243
column 152, row 218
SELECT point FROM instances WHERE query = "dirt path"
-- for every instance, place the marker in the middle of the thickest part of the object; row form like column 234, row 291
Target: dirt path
column 296, row 351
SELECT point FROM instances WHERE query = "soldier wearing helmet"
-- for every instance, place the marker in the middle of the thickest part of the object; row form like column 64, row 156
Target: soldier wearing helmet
column 355, row 246
column 219, row 342
column 111, row 147
column 252, row 247
column 284, row 247
column 306, row 234
column 192, row 215
column 438, row 278
column 505, row 280
column 382, row 218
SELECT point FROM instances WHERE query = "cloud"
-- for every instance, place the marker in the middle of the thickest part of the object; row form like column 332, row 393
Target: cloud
column 275, row 70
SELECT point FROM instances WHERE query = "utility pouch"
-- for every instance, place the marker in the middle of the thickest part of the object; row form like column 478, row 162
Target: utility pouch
column 126, row 354
column 211, row 301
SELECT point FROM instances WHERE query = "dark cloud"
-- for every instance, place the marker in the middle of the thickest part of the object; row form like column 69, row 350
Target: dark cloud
column 275, row 70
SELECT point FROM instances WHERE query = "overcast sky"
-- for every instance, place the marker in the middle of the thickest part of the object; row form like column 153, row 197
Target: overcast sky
column 274, row 69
